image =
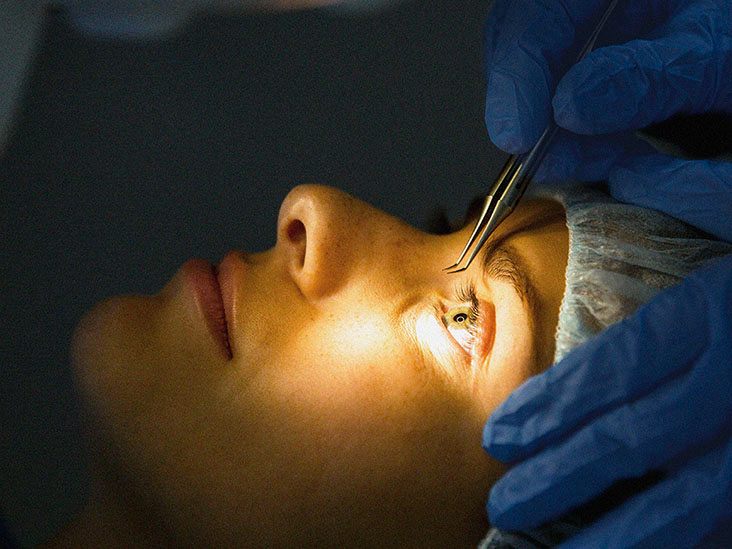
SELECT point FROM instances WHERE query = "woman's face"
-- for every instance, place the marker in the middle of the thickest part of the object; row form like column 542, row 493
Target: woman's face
column 361, row 377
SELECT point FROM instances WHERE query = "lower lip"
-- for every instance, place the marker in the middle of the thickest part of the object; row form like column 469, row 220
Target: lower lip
column 203, row 280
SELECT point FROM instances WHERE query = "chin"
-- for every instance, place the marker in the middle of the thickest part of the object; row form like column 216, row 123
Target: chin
column 104, row 342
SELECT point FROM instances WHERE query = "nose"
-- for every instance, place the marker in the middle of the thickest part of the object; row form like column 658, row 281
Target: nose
column 317, row 230
column 328, row 237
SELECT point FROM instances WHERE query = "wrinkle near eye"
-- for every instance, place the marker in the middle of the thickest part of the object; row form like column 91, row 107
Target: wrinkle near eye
column 431, row 337
column 422, row 323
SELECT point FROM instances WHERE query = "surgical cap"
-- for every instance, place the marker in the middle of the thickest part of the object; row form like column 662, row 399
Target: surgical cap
column 620, row 256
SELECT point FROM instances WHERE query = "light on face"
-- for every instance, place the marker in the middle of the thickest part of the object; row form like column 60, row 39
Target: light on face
column 359, row 335
column 431, row 336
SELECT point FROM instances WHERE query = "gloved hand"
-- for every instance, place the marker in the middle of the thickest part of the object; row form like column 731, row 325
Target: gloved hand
column 653, row 392
column 669, row 56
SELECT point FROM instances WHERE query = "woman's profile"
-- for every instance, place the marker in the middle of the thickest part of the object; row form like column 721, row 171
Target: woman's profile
column 342, row 401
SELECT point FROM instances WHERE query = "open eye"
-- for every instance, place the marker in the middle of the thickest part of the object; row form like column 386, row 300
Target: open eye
column 461, row 324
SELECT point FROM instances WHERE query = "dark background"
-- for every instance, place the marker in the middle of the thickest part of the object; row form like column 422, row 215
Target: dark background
column 129, row 159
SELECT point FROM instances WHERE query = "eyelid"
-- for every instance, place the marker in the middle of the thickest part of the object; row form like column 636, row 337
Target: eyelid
column 431, row 337
column 439, row 313
column 433, row 343
column 485, row 323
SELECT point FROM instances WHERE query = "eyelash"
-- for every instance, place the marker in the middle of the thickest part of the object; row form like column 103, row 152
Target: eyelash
column 465, row 292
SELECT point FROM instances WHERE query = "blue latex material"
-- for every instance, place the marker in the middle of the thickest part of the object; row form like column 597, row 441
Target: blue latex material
column 651, row 392
column 698, row 192
column 655, row 58
column 661, row 57
column 654, row 391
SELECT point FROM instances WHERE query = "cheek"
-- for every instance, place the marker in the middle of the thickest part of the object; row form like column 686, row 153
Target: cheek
column 367, row 434
column 340, row 379
column 333, row 426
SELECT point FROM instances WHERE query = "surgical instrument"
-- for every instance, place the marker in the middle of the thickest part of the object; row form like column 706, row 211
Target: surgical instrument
column 513, row 179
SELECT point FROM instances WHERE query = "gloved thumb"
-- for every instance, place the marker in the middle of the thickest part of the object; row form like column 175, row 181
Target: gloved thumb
column 630, row 86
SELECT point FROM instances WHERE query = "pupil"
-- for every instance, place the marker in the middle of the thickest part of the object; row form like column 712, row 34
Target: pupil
column 460, row 318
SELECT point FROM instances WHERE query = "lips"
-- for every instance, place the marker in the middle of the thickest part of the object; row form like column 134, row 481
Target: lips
column 231, row 273
column 204, row 280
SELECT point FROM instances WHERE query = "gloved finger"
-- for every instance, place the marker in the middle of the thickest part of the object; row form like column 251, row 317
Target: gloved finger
column 677, row 512
column 630, row 86
column 698, row 192
column 587, row 157
column 624, row 443
column 527, row 48
column 618, row 365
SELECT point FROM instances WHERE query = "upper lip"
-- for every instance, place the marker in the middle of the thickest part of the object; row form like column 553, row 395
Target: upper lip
column 229, row 273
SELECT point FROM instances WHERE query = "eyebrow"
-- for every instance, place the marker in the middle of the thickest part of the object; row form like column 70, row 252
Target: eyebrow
column 503, row 261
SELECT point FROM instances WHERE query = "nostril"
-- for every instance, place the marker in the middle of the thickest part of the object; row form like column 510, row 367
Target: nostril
column 296, row 231
column 297, row 237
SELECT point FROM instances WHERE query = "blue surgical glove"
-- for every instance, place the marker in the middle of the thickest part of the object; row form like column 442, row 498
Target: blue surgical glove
column 667, row 57
column 653, row 392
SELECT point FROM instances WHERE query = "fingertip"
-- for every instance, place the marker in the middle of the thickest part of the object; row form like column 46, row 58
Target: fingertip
column 487, row 438
column 499, row 515
column 513, row 121
column 499, row 441
column 566, row 114
column 503, row 135
column 578, row 101
column 506, row 508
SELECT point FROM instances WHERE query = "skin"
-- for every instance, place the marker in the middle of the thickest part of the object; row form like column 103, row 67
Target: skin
column 331, row 425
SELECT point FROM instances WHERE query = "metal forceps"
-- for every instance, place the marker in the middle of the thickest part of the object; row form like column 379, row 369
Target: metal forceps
column 508, row 189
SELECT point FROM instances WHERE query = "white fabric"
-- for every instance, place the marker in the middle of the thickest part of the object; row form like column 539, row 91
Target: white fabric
column 620, row 256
